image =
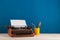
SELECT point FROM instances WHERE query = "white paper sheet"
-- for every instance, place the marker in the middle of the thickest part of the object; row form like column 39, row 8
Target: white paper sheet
column 18, row 23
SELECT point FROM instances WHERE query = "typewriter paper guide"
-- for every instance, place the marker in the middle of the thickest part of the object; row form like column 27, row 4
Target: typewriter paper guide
column 18, row 23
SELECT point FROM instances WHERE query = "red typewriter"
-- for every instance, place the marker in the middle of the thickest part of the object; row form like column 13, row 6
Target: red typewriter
column 19, row 28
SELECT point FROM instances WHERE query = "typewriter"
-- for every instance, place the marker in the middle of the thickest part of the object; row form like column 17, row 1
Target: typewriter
column 18, row 28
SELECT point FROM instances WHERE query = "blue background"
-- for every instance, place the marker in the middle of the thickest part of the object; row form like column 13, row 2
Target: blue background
column 46, row 11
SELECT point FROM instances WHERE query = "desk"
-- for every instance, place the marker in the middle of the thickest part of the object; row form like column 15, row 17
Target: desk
column 40, row 37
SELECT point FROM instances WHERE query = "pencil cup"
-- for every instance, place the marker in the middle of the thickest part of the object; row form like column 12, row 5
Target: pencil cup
column 37, row 31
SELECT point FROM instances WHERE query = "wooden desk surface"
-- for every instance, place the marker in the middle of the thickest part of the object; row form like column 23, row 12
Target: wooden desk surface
column 40, row 37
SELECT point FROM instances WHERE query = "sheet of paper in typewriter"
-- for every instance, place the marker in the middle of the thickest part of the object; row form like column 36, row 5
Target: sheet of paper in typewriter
column 18, row 23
